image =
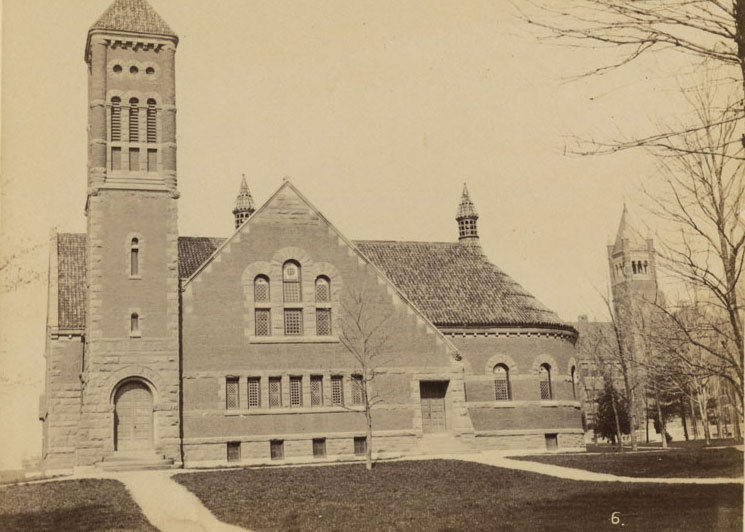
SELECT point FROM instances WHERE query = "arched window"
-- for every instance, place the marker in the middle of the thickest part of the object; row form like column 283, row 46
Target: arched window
column 573, row 374
column 291, row 281
column 116, row 119
column 292, row 293
column 323, row 289
column 544, row 374
column 261, row 289
column 502, row 390
column 646, row 265
column 134, row 324
column 323, row 311
column 263, row 313
column 633, row 266
column 134, row 258
column 134, row 121
column 152, row 131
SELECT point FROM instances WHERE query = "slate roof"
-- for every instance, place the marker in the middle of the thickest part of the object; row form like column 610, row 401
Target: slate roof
column 456, row 285
column 71, row 280
column 452, row 284
column 136, row 16
column 193, row 251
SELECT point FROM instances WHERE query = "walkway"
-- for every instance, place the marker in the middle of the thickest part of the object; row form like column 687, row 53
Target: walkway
column 499, row 460
column 168, row 505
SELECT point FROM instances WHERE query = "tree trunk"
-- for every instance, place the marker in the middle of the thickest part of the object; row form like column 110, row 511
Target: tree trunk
column 702, row 410
column 368, row 437
column 661, row 418
column 368, row 419
column 632, row 410
column 646, row 419
column 694, row 422
column 682, row 406
column 618, row 422
column 720, row 433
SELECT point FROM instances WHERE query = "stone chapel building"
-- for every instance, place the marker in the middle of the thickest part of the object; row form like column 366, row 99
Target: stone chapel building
column 177, row 350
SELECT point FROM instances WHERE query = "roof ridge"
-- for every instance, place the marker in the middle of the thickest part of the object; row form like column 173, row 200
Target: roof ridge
column 407, row 242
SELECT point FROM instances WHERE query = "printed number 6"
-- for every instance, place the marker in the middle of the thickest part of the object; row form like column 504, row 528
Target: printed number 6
column 614, row 518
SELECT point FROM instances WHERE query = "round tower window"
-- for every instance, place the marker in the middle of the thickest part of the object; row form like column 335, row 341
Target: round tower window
column 149, row 71
column 133, row 70
column 117, row 68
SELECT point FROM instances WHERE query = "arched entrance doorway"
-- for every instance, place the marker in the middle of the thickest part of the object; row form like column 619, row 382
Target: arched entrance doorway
column 133, row 417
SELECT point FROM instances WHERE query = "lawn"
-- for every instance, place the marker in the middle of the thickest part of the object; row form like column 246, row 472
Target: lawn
column 691, row 462
column 72, row 506
column 450, row 495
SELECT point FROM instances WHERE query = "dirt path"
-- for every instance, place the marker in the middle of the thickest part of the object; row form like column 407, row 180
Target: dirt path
column 570, row 473
column 168, row 505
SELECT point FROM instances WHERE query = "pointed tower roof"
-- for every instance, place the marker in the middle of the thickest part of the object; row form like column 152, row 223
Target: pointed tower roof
column 133, row 16
column 627, row 231
column 466, row 208
column 244, row 201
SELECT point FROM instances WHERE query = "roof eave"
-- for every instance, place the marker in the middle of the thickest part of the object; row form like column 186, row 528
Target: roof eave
column 97, row 31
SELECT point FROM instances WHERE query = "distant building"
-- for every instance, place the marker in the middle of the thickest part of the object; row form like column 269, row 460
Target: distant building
column 633, row 278
column 193, row 350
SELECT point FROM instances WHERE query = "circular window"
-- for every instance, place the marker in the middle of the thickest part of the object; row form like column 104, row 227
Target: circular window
column 133, row 70
column 117, row 68
column 149, row 71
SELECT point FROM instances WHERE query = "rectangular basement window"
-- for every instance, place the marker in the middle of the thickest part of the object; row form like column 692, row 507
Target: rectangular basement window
column 277, row 449
column 319, row 448
column 552, row 441
column 360, row 445
column 234, row 451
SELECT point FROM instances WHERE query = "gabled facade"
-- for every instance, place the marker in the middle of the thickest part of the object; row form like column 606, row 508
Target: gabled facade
column 209, row 350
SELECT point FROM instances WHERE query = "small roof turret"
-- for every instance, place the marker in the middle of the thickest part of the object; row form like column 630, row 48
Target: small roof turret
column 244, row 204
column 466, row 217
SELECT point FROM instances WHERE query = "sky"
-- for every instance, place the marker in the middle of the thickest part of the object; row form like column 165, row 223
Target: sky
column 378, row 111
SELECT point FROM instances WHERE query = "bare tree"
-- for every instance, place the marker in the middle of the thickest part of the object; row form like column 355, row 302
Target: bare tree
column 597, row 345
column 365, row 334
column 702, row 198
column 708, row 31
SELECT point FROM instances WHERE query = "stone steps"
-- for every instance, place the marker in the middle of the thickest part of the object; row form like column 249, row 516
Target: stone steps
column 135, row 462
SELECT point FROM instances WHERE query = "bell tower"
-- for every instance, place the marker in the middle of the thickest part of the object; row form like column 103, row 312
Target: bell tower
column 631, row 260
column 130, row 373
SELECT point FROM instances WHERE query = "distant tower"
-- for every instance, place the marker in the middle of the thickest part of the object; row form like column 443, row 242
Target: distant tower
column 244, row 204
column 466, row 217
column 631, row 259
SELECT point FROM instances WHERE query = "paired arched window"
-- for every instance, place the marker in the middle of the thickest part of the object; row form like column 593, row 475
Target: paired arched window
column 115, row 128
column 544, row 375
column 134, row 120
column 323, row 309
column 263, row 313
column 502, row 389
column 134, row 258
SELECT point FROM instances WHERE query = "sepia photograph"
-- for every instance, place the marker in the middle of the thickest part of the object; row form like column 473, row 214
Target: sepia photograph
column 372, row 265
